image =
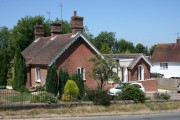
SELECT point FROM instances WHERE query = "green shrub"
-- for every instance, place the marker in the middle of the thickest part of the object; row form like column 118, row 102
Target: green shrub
column 99, row 97
column 163, row 96
column 24, row 89
column 80, row 83
column 71, row 91
column 10, row 82
column 44, row 97
column 131, row 92
column 2, row 87
column 40, row 88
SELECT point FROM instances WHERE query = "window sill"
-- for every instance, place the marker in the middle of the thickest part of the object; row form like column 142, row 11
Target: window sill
column 38, row 81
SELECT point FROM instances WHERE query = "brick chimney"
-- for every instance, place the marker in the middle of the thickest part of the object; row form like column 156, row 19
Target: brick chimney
column 38, row 31
column 77, row 23
column 55, row 28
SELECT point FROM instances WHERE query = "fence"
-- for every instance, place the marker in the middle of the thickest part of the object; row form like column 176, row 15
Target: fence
column 9, row 97
column 168, row 83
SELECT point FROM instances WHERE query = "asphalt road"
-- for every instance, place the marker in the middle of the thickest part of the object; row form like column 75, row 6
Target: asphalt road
column 156, row 116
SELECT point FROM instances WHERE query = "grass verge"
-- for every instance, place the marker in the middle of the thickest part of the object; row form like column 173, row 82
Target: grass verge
column 96, row 110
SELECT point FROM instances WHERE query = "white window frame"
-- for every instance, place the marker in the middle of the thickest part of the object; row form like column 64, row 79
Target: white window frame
column 140, row 73
column 163, row 65
column 81, row 72
column 37, row 74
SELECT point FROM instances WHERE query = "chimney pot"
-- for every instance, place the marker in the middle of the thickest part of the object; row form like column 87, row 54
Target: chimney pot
column 77, row 23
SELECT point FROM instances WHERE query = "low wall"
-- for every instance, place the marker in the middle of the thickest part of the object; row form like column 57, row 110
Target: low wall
column 168, row 83
column 150, row 85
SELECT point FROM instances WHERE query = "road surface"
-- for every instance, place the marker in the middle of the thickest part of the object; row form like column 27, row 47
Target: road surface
column 156, row 116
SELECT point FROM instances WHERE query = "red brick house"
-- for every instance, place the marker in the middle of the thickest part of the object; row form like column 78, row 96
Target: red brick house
column 134, row 68
column 131, row 67
column 70, row 51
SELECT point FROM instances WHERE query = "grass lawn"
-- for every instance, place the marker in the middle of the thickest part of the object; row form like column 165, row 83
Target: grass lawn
column 95, row 110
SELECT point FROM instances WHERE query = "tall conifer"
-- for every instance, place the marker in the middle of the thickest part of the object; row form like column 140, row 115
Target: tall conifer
column 3, row 69
column 52, row 80
column 19, row 70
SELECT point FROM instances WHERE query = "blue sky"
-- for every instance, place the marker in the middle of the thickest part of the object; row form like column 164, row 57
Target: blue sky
column 139, row 21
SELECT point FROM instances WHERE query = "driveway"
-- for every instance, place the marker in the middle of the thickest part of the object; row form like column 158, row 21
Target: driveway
column 174, row 95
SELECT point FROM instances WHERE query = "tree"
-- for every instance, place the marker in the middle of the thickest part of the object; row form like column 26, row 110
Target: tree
column 151, row 49
column 66, row 27
column 87, row 34
column 19, row 70
column 52, row 80
column 124, row 46
column 102, row 70
column 3, row 68
column 63, row 78
column 105, row 49
column 105, row 37
column 23, row 32
column 4, row 37
column 140, row 48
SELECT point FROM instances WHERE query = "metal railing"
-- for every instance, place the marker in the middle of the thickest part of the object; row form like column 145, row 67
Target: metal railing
column 9, row 97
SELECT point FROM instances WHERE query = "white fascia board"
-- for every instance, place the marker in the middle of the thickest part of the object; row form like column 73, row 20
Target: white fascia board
column 141, row 56
column 92, row 46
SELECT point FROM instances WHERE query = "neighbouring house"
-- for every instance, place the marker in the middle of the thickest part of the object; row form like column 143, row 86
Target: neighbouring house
column 166, row 59
column 133, row 68
column 70, row 51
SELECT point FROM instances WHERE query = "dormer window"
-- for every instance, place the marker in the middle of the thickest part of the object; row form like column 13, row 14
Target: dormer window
column 164, row 66
column 37, row 74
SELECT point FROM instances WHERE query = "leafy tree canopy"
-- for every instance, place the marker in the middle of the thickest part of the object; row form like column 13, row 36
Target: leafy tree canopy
column 140, row 48
column 102, row 70
column 105, row 37
column 23, row 32
column 4, row 37
column 124, row 46
column 151, row 49
column 105, row 49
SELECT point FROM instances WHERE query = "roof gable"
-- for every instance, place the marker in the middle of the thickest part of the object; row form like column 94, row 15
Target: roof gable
column 135, row 58
column 166, row 53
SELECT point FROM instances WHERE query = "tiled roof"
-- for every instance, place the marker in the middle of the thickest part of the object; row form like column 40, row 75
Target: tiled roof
column 46, row 50
column 125, row 56
column 43, row 50
column 166, row 53
column 135, row 58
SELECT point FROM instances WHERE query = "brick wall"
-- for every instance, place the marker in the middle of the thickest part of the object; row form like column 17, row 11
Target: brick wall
column 78, row 55
column 43, row 73
column 150, row 85
column 133, row 74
